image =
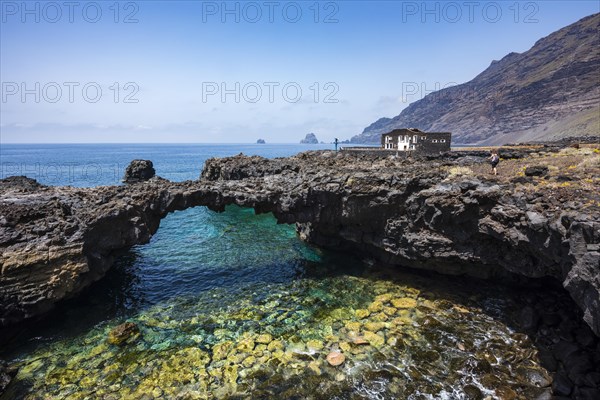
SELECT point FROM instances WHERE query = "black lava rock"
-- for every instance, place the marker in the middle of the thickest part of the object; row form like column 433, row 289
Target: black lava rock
column 139, row 171
column 6, row 375
column 536, row 170
column 561, row 385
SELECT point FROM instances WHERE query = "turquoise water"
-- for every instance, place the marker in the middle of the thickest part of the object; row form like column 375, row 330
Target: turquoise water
column 233, row 305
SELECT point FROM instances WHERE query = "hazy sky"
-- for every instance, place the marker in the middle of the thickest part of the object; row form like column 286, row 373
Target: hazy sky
column 203, row 71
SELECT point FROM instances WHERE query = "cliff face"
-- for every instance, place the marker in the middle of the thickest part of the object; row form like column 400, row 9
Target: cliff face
column 548, row 92
column 418, row 213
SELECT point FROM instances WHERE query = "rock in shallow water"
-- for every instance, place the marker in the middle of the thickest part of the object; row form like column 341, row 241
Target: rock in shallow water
column 335, row 358
column 265, row 338
column 374, row 339
column 124, row 333
column 6, row 375
column 562, row 385
column 405, row 302
column 472, row 392
column 537, row 377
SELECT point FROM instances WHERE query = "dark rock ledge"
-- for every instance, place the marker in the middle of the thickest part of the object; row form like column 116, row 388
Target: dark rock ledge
column 55, row 241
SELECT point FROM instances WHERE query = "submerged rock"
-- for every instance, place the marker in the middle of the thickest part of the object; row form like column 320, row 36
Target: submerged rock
column 405, row 302
column 374, row 339
column 375, row 306
column 276, row 345
column 127, row 332
column 264, row 338
column 335, row 358
column 472, row 392
column 359, row 340
column 419, row 358
column 506, row 393
column 374, row 326
column 220, row 350
column 314, row 345
column 6, row 375
column 534, row 376
column 561, row 385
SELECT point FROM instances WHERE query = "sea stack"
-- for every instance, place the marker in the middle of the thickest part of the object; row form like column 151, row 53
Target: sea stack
column 139, row 171
column 310, row 138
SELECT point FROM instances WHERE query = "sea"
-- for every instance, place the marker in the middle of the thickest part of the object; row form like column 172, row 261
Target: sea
column 87, row 165
column 234, row 305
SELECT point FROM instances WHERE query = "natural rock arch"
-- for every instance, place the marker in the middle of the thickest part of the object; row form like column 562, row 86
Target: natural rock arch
column 57, row 240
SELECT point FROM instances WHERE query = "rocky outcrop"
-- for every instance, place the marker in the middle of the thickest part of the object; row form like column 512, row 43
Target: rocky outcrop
column 127, row 332
column 139, row 171
column 310, row 138
column 443, row 214
column 55, row 241
column 6, row 375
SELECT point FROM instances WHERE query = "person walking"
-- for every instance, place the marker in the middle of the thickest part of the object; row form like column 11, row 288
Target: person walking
column 494, row 159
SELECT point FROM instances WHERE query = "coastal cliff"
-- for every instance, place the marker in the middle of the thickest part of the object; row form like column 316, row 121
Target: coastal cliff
column 443, row 213
column 548, row 92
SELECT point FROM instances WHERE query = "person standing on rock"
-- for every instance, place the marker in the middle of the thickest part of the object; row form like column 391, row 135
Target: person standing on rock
column 495, row 159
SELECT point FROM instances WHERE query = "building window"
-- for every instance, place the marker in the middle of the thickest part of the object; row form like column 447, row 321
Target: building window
column 434, row 141
column 443, row 141
column 415, row 138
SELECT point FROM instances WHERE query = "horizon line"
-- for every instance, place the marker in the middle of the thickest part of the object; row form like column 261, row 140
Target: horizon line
column 232, row 143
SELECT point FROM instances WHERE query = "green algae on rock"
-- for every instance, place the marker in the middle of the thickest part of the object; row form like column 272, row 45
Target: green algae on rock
column 233, row 354
column 127, row 332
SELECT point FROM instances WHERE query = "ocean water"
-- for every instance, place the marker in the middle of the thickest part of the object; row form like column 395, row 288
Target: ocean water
column 234, row 305
column 86, row 165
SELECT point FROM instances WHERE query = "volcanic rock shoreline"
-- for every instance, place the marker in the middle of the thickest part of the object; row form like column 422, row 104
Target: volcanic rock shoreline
column 442, row 213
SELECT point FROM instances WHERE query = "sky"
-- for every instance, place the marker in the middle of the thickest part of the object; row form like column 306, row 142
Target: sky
column 233, row 72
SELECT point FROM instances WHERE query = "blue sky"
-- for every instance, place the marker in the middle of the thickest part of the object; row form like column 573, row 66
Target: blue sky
column 203, row 71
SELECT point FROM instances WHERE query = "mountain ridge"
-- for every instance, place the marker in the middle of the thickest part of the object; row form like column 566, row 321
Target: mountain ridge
column 548, row 92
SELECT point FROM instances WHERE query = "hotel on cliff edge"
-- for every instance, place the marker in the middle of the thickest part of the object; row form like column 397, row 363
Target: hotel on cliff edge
column 409, row 140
